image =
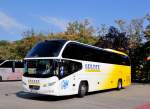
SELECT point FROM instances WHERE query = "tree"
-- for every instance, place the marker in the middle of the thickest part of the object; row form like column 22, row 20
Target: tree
column 147, row 32
column 113, row 39
column 3, row 43
column 81, row 31
column 146, row 69
column 141, row 65
column 122, row 25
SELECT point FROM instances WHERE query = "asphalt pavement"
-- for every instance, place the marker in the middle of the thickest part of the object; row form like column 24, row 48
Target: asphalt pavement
column 137, row 96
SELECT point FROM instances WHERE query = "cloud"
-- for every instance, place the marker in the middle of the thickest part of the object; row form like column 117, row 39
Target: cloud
column 60, row 23
column 9, row 24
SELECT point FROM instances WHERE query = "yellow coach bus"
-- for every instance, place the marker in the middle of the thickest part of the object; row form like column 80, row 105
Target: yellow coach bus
column 60, row 67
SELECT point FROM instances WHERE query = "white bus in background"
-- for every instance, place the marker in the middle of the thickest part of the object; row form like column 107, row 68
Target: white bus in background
column 11, row 70
column 60, row 67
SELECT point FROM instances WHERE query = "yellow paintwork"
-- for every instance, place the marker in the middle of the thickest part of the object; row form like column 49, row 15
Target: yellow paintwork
column 115, row 73
column 115, row 51
column 109, row 74
column 92, row 70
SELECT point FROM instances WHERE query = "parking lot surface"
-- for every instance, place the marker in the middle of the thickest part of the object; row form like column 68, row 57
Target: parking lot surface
column 137, row 96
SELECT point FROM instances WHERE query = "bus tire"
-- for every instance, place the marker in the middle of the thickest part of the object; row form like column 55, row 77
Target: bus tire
column 0, row 78
column 119, row 85
column 83, row 89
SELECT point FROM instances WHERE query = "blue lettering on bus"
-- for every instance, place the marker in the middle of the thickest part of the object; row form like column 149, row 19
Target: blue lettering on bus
column 92, row 66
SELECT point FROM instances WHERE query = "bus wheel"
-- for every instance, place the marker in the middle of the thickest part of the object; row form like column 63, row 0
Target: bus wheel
column 0, row 78
column 83, row 87
column 119, row 86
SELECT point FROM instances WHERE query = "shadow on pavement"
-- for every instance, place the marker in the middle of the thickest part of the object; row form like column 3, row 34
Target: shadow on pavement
column 40, row 97
column 102, row 91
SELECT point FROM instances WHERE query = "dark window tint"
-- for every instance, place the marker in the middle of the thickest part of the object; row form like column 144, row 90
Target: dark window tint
column 46, row 49
column 19, row 64
column 125, row 60
column 119, row 59
column 1, row 61
column 73, row 51
column 12, row 64
column 8, row 64
column 87, row 53
column 81, row 52
column 68, row 67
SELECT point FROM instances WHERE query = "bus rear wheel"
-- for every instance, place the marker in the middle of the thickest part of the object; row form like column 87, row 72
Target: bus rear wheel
column 83, row 87
column 119, row 86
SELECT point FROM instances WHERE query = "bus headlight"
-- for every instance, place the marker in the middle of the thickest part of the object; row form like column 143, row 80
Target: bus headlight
column 44, row 85
column 52, row 83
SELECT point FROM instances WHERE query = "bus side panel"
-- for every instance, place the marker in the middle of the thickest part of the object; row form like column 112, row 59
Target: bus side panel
column 69, row 85
column 127, row 76
column 7, row 74
column 93, row 79
column 98, row 77
column 113, row 74
column 109, row 76
column 17, row 75
column 106, row 77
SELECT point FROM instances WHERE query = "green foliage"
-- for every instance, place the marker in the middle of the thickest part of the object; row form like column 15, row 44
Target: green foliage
column 147, row 32
column 140, row 64
column 3, row 43
column 114, row 39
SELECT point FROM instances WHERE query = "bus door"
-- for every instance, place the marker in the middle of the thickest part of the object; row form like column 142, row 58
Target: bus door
column 68, row 76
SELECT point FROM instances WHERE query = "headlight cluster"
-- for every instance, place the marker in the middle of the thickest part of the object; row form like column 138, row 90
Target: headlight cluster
column 52, row 83
column 49, row 84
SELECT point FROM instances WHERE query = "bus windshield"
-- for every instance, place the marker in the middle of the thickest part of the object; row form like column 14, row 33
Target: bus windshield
column 45, row 68
column 46, row 49
column 41, row 68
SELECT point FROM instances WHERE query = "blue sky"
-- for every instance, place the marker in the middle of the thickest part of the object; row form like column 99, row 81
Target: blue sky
column 17, row 16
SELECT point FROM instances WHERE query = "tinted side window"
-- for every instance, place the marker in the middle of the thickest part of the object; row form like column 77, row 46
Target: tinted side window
column 80, row 52
column 126, row 60
column 68, row 67
column 8, row 64
column 104, row 57
column 119, row 59
column 73, row 51
column 114, row 58
column 100, row 56
column 1, row 61
column 18, row 64
column 86, row 53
